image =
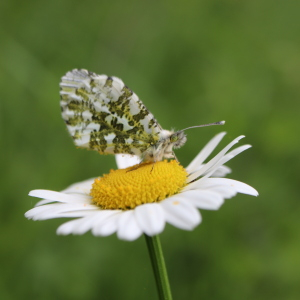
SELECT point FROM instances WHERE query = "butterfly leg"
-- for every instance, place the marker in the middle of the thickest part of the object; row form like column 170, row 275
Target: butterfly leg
column 175, row 156
column 136, row 166
column 154, row 161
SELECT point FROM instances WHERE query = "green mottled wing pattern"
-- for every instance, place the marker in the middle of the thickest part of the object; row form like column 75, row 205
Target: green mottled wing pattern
column 103, row 114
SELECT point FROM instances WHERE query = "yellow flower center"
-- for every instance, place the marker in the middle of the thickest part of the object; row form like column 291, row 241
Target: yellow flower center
column 145, row 183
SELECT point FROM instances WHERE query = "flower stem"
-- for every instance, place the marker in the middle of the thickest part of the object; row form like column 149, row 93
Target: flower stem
column 159, row 267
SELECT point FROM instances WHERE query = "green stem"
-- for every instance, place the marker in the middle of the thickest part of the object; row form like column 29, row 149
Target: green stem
column 159, row 267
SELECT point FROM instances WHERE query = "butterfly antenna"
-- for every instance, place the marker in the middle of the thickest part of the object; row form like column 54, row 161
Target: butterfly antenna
column 204, row 125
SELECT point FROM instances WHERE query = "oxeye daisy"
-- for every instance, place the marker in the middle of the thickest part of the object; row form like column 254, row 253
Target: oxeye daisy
column 102, row 114
column 142, row 198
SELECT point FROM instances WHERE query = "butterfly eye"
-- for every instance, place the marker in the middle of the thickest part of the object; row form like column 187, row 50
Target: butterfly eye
column 173, row 138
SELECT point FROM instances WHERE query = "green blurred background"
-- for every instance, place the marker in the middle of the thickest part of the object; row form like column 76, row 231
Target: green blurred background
column 191, row 62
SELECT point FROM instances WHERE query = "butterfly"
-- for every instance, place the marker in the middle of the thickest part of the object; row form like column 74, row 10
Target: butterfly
column 103, row 114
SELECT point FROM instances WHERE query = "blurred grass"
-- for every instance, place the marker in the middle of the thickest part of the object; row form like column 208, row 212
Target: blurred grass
column 191, row 63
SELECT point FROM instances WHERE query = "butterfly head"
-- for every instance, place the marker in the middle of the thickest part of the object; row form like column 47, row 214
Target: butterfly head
column 178, row 139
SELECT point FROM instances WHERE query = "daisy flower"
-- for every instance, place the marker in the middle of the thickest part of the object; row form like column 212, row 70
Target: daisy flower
column 141, row 199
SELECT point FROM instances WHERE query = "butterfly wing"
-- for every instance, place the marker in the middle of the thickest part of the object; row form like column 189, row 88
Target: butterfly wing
column 103, row 114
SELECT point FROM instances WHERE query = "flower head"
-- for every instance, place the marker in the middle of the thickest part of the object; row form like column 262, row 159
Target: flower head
column 141, row 199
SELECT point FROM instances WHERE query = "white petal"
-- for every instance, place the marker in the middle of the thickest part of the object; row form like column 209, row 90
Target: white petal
column 43, row 202
column 180, row 213
column 128, row 228
column 79, row 226
column 205, row 152
column 52, row 196
column 204, row 199
column 83, row 187
column 125, row 160
column 151, row 218
column 36, row 213
column 226, row 158
column 108, row 224
column 69, row 227
column 217, row 165
column 221, row 171
column 238, row 150
column 224, row 190
column 240, row 187
column 58, row 210
column 224, row 186
column 211, row 165
column 85, row 200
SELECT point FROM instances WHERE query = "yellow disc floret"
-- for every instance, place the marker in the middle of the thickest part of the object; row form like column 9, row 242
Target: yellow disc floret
column 145, row 183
